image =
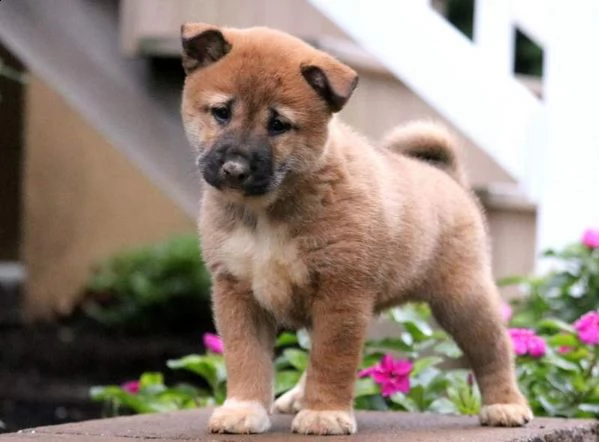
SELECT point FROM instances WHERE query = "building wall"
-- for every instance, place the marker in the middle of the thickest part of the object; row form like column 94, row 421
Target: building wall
column 381, row 102
column 83, row 202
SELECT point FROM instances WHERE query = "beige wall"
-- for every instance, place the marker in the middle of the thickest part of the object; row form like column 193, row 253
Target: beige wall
column 83, row 202
column 381, row 102
column 513, row 241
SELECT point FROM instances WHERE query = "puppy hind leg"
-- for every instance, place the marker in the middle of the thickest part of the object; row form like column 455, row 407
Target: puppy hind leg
column 469, row 311
column 291, row 401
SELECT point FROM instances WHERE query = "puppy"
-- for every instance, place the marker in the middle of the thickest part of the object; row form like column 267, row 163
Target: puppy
column 305, row 224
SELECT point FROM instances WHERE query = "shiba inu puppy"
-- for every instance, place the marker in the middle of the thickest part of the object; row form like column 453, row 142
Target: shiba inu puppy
column 305, row 224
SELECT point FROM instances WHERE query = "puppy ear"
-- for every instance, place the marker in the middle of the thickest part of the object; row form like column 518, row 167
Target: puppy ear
column 202, row 45
column 332, row 80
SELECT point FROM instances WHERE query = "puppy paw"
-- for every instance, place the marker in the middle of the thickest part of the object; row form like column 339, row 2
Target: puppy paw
column 505, row 415
column 239, row 417
column 324, row 422
column 290, row 402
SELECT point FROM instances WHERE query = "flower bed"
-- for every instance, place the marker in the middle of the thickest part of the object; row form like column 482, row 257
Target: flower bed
column 554, row 331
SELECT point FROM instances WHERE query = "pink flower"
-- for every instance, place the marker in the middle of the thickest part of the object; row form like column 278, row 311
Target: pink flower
column 587, row 327
column 590, row 238
column 393, row 375
column 131, row 387
column 213, row 343
column 526, row 342
column 564, row 349
column 506, row 312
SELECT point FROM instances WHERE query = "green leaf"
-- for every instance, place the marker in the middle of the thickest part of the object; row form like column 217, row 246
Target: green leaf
column 553, row 324
column 512, row 280
column 566, row 340
column 390, row 344
column 366, row 387
column 590, row 408
column 151, row 380
column 429, row 379
column 285, row 380
column 209, row 367
column 375, row 402
column 550, row 409
column 449, row 349
column 560, row 362
column 297, row 358
column 152, row 383
column 413, row 321
column 424, row 363
column 103, row 393
column 443, row 405
column 417, row 394
column 404, row 402
column 286, row 339
column 371, row 359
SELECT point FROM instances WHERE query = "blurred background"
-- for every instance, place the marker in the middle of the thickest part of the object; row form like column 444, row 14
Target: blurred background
column 99, row 271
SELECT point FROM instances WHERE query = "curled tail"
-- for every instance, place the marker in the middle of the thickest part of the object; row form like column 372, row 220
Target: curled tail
column 428, row 142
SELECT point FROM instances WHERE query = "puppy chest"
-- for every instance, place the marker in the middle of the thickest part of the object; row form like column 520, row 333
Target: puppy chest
column 269, row 260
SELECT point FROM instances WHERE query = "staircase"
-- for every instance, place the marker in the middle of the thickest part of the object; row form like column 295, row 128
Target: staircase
column 74, row 46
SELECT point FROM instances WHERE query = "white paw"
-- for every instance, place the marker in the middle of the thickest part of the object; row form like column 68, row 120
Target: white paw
column 324, row 422
column 505, row 415
column 239, row 417
column 290, row 402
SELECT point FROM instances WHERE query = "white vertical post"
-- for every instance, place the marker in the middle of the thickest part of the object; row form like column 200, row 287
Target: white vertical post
column 570, row 161
column 494, row 33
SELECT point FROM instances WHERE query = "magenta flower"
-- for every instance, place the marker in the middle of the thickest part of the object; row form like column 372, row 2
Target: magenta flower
column 563, row 349
column 526, row 342
column 392, row 375
column 587, row 327
column 131, row 387
column 506, row 312
column 213, row 343
column 590, row 238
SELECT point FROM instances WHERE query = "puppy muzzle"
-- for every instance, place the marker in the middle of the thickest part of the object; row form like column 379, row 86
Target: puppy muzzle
column 249, row 171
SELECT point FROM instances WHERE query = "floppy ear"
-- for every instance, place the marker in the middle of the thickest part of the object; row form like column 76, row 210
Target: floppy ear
column 202, row 45
column 332, row 80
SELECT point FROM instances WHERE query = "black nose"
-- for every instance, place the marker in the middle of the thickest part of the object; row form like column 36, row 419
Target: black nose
column 236, row 171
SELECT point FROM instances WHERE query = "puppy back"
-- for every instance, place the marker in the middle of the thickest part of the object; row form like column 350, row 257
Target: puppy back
column 429, row 142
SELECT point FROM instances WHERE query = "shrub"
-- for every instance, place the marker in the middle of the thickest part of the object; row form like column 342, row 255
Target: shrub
column 567, row 291
column 159, row 288
column 555, row 338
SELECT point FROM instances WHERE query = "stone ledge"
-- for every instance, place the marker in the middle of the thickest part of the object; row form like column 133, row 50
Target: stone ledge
column 373, row 426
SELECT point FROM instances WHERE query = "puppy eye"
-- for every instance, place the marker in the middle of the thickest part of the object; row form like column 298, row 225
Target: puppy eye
column 222, row 114
column 276, row 126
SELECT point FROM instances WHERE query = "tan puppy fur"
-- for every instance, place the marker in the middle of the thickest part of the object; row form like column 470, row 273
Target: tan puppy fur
column 305, row 224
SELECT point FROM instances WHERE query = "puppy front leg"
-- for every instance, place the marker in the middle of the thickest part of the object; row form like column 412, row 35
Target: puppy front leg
column 248, row 334
column 338, row 333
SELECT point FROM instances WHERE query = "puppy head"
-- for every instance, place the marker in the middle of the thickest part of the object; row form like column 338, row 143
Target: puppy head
column 256, row 105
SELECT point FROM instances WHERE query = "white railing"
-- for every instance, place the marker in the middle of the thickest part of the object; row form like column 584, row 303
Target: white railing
column 438, row 63
column 471, row 83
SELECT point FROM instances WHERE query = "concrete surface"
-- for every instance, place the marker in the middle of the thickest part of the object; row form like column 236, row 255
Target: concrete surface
column 373, row 427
